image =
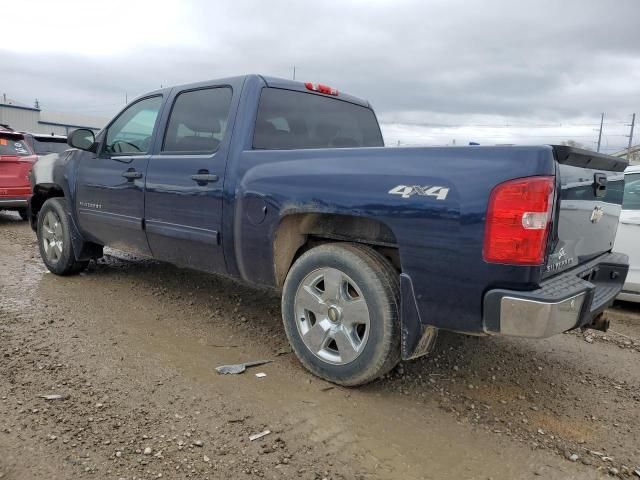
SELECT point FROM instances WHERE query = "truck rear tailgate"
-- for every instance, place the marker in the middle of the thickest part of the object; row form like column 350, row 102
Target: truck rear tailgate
column 591, row 188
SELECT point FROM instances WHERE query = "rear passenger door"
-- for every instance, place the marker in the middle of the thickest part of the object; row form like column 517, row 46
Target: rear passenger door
column 183, row 192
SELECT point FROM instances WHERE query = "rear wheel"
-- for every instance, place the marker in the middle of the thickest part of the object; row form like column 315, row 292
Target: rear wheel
column 54, row 239
column 340, row 310
column 24, row 214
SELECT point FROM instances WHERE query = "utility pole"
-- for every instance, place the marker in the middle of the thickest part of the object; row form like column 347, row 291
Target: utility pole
column 126, row 98
column 633, row 122
column 294, row 72
column 600, row 134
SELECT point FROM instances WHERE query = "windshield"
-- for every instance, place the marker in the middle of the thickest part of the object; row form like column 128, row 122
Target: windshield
column 52, row 145
column 13, row 146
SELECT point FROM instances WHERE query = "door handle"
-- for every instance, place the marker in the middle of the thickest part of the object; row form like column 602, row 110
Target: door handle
column 204, row 177
column 600, row 184
column 132, row 175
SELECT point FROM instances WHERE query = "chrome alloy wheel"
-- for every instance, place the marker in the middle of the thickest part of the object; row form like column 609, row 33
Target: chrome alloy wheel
column 52, row 236
column 332, row 316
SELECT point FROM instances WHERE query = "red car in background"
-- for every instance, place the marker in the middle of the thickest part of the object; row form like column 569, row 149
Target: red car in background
column 16, row 160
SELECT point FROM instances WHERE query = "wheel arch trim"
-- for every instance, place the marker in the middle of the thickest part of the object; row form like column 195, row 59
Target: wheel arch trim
column 291, row 233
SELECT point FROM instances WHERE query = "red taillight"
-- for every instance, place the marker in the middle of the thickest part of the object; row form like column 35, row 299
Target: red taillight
column 518, row 219
column 318, row 87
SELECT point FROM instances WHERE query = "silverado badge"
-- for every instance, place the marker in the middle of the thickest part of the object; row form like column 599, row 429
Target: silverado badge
column 558, row 260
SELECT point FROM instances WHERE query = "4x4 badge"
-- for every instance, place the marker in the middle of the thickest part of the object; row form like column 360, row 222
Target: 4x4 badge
column 406, row 191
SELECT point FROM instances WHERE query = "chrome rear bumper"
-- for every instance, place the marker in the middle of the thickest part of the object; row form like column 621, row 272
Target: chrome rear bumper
column 566, row 301
column 520, row 317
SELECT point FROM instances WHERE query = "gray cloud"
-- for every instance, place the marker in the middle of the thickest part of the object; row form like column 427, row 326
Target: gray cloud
column 419, row 63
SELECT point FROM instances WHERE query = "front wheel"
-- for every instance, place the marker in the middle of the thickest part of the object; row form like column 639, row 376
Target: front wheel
column 54, row 239
column 340, row 309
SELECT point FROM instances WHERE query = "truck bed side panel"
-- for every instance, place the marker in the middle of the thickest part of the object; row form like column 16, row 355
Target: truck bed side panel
column 439, row 239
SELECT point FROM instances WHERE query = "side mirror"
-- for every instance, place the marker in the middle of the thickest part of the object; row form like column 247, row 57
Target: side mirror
column 82, row 138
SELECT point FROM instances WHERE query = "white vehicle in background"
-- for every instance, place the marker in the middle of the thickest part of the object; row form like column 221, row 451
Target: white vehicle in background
column 43, row 144
column 628, row 236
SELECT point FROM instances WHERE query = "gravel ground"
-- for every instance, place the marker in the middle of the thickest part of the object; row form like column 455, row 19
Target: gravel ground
column 131, row 347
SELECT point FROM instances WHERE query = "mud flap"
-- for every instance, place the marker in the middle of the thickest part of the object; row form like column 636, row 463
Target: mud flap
column 82, row 249
column 417, row 338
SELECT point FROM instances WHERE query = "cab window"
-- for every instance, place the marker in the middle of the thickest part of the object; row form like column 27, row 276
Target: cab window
column 198, row 121
column 294, row 120
column 130, row 133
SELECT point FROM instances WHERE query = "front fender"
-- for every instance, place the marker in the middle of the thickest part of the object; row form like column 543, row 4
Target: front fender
column 54, row 175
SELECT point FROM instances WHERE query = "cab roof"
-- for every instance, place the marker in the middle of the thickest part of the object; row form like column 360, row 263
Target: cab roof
column 274, row 82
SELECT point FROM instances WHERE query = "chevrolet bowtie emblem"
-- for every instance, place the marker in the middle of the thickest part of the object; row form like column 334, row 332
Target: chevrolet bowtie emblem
column 596, row 214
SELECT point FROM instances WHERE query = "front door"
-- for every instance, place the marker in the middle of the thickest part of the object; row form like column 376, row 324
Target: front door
column 110, row 187
column 183, row 203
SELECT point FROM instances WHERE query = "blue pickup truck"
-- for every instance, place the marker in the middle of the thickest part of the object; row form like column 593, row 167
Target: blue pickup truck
column 288, row 185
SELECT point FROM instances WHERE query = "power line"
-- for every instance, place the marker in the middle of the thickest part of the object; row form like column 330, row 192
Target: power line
column 503, row 125
column 486, row 135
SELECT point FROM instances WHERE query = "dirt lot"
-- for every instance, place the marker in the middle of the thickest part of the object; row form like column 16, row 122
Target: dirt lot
column 132, row 345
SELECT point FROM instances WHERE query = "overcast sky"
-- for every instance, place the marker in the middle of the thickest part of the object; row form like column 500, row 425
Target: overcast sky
column 486, row 71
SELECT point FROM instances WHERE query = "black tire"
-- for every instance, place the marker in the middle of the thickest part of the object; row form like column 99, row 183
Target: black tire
column 65, row 263
column 378, row 283
column 24, row 214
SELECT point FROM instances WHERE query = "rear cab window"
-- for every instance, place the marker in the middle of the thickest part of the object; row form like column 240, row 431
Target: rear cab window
column 290, row 119
column 14, row 145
